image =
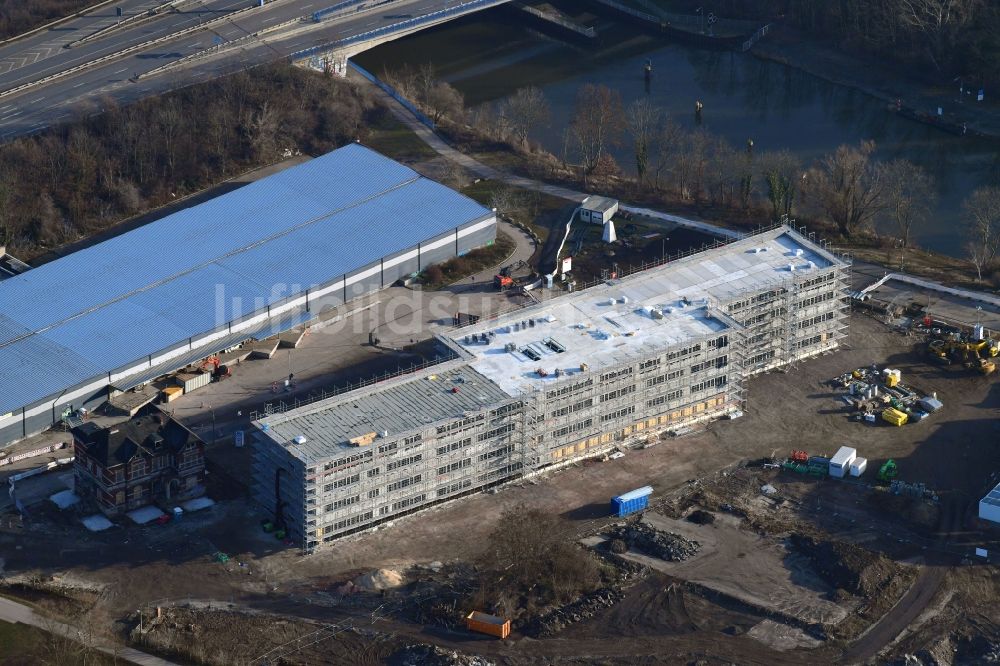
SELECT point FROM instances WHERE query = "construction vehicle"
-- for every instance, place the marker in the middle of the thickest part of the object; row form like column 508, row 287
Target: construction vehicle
column 972, row 354
column 505, row 279
column 888, row 471
column 503, row 282
column 219, row 371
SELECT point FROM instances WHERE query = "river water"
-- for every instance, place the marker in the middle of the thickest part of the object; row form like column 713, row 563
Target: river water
column 491, row 54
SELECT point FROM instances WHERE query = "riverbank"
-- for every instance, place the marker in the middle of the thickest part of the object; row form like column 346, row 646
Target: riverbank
column 889, row 83
column 491, row 159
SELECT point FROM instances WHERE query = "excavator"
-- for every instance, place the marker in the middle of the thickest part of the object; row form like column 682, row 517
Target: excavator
column 219, row 371
column 505, row 279
column 973, row 354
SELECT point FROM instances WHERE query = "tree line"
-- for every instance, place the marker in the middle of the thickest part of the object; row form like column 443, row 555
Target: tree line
column 942, row 38
column 848, row 189
column 78, row 178
column 19, row 16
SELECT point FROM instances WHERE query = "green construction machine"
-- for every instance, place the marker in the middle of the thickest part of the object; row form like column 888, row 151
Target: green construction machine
column 888, row 471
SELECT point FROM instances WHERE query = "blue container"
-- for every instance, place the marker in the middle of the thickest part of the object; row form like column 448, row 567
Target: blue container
column 630, row 502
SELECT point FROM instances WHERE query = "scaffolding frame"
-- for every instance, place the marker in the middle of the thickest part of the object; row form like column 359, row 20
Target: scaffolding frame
column 519, row 437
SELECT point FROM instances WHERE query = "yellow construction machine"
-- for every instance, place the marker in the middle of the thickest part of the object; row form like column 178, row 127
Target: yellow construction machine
column 973, row 354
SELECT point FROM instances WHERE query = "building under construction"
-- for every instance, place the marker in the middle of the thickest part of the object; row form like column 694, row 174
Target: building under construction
column 613, row 365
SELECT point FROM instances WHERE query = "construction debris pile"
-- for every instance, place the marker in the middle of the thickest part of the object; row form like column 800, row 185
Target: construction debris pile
column 873, row 394
column 664, row 545
column 431, row 655
column 845, row 565
column 917, row 490
column 582, row 609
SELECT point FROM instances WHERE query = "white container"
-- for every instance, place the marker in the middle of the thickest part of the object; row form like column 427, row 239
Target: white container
column 858, row 466
column 841, row 462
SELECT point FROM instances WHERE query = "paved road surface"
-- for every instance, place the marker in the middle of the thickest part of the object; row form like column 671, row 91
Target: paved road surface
column 11, row 611
column 81, row 93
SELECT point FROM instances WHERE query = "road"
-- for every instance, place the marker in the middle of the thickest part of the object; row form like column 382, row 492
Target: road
column 913, row 603
column 45, row 54
column 11, row 611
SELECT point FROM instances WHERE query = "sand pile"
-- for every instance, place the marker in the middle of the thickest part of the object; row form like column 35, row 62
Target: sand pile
column 382, row 579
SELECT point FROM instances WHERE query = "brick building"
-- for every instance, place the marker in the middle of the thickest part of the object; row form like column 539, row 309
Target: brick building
column 147, row 460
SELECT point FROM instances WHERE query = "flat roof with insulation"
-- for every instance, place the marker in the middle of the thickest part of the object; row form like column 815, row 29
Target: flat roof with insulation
column 635, row 316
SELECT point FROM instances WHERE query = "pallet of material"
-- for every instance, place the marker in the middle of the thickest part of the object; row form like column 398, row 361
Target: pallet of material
column 264, row 348
column 894, row 416
column 171, row 393
column 291, row 339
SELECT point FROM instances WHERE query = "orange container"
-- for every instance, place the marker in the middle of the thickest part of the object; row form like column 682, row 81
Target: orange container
column 487, row 624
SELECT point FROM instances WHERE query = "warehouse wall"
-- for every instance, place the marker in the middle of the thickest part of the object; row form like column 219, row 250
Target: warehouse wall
column 478, row 237
column 437, row 250
column 400, row 265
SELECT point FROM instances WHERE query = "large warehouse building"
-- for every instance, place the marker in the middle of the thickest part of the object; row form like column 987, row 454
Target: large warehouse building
column 249, row 264
column 571, row 377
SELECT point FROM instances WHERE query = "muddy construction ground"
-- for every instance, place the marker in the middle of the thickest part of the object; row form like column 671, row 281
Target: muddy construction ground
column 751, row 595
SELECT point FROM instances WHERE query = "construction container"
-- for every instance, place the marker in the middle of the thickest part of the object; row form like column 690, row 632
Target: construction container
column 858, row 466
column 171, row 393
column 487, row 624
column 840, row 463
column 894, row 416
column 630, row 502
column 190, row 381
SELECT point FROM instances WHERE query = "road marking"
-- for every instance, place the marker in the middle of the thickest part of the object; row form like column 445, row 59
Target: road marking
column 80, row 84
column 123, row 69
column 36, row 101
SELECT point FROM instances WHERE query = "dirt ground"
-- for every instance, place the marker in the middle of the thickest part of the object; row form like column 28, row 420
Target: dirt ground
column 954, row 452
column 754, row 568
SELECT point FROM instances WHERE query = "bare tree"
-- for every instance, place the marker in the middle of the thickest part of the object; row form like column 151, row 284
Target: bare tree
column 937, row 21
column 782, row 173
column 982, row 209
column 723, row 171
column 642, row 118
column 525, row 109
column 425, row 79
column 506, row 199
column 667, row 142
column 456, row 176
column 694, row 162
column 597, row 123
column 526, row 553
column 909, row 196
column 848, row 186
column 444, row 101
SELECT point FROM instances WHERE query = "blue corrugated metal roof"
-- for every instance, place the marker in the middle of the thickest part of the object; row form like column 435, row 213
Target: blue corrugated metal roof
column 119, row 301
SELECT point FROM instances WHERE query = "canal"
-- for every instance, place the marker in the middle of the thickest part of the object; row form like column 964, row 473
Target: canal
column 489, row 55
